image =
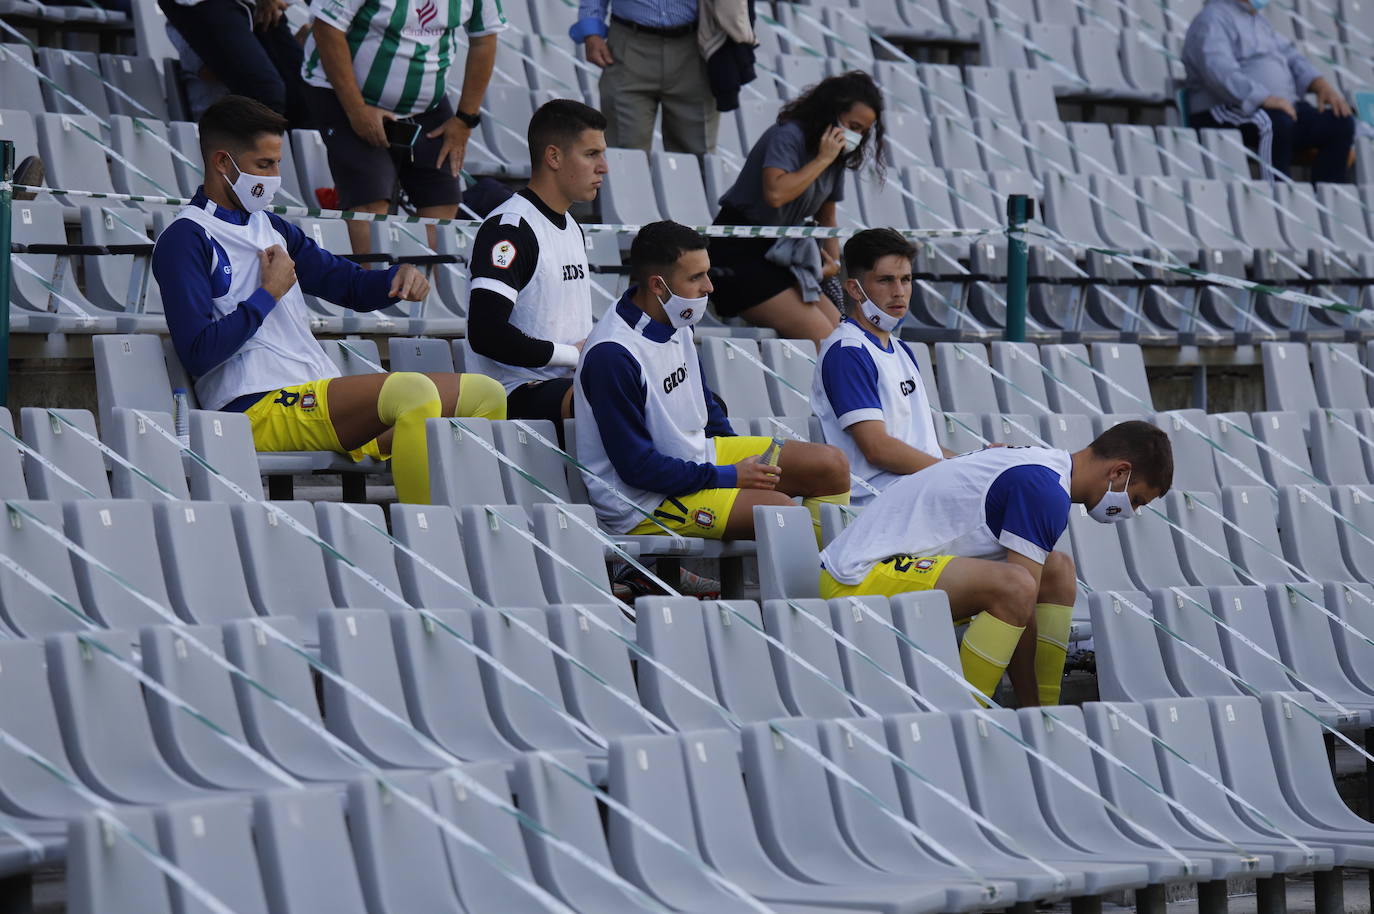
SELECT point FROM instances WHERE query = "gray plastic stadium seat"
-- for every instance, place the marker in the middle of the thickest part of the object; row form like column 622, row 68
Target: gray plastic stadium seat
column 1067, row 432
column 225, row 441
column 1286, row 459
column 133, row 438
column 524, row 719
column 1137, row 150
column 461, row 471
column 26, row 611
column 1185, row 724
column 1081, row 820
column 357, row 643
column 1020, row 362
column 1288, row 377
column 1129, row 664
column 789, row 358
column 805, row 692
column 117, row 533
column 212, row 842
column 552, row 798
column 63, row 447
column 587, row 580
column 862, row 676
column 303, row 850
column 1353, row 603
column 671, row 630
column 789, row 565
column 435, row 665
column 960, row 432
column 1336, row 450
column 312, row 163
column 37, row 304
column 1357, row 530
column 499, row 559
column 735, row 379
column 284, row 570
column 1107, row 420
column 137, row 143
column 400, row 856
column 1307, row 530
column 1235, row 441
column 1339, row 382
column 1184, row 611
column 1011, row 429
column 185, row 137
column 270, row 728
column 1123, row 364
column 607, row 656
column 1255, row 214
column 804, row 838
column 1296, row 748
column 1343, row 221
column 678, row 188
column 1251, row 510
column 195, row 751
column 1307, row 645
column 1148, row 545
column 927, row 628
column 72, row 158
column 1145, row 806
column 1068, row 362
column 107, row 871
column 966, row 385
column 27, row 714
column 1164, row 216
column 201, row 562
column 955, row 146
column 104, row 724
column 741, row 669
column 350, row 530
column 419, row 354
column 22, row 91
column 1193, row 465
column 628, row 194
column 431, row 531
column 1097, row 552
column 541, row 462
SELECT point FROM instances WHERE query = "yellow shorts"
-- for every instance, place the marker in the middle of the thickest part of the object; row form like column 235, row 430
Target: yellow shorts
column 296, row 418
column 704, row 513
column 893, row 575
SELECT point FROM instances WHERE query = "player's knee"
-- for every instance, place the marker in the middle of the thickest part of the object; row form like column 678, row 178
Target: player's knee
column 774, row 499
column 1014, row 595
column 832, row 469
column 1059, row 576
column 480, row 397
column 403, row 391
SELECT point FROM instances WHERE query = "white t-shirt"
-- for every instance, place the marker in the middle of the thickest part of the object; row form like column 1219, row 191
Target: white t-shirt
column 976, row 505
column 858, row 380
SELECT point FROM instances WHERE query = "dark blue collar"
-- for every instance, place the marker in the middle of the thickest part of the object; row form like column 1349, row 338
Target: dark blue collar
column 891, row 343
column 234, row 216
column 633, row 315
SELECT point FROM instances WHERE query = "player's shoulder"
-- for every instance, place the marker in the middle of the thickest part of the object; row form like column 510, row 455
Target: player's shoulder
column 183, row 238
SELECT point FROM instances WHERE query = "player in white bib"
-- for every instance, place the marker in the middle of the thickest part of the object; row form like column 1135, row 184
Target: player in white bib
column 867, row 389
column 650, row 429
column 530, row 300
column 982, row 527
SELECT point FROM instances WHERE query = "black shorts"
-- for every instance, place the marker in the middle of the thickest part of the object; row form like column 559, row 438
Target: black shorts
column 539, row 400
column 366, row 174
column 741, row 275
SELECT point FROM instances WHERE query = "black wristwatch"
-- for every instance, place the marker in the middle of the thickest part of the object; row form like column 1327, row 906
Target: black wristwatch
column 472, row 120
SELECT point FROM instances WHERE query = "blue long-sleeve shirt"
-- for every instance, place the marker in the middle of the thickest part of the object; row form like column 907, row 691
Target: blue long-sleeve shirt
column 182, row 265
column 1234, row 56
column 659, row 14
column 613, row 382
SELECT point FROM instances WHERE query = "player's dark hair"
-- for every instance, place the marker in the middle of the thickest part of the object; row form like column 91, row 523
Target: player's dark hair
column 559, row 122
column 864, row 249
column 819, row 107
column 1148, row 449
column 659, row 245
column 234, row 123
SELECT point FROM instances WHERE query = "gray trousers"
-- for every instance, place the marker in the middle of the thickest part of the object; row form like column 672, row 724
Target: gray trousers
column 651, row 72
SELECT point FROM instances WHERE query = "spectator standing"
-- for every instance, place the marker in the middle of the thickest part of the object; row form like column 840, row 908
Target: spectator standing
column 248, row 47
column 388, row 60
column 795, row 175
column 649, row 59
column 1243, row 73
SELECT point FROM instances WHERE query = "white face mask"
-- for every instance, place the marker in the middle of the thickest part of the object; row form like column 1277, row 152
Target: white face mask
column 682, row 312
column 877, row 316
column 852, row 138
column 1113, row 507
column 255, row 192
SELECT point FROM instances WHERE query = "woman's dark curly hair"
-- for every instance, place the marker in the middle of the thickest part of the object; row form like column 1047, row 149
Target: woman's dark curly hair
column 820, row 106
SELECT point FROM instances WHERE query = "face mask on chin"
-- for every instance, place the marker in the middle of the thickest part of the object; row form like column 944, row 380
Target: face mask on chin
column 877, row 316
column 254, row 192
column 682, row 312
column 1113, row 507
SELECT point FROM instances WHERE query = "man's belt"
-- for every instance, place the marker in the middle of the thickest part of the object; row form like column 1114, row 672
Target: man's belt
column 676, row 31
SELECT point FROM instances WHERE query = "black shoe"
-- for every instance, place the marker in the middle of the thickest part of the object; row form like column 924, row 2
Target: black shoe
column 30, row 172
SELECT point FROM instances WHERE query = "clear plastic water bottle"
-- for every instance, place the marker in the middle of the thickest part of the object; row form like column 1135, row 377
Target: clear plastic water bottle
column 181, row 416
column 773, row 454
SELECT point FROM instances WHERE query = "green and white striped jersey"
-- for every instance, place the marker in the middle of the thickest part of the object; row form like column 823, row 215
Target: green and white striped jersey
column 402, row 49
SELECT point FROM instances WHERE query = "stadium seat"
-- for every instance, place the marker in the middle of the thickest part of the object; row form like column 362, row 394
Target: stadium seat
column 1148, row 545
column 72, row 154
column 66, row 453
column 108, row 868
column 28, row 715
column 117, row 534
column 312, row 163
column 679, row 189
column 399, row 853
column 803, row 627
column 1130, row 666
column 304, row 852
column 461, row 471
column 17, row 125
column 1236, row 453
column 1357, row 545
column 877, row 680
column 284, row 570
column 149, row 169
column 1336, row 375
column 359, row 539
column 201, row 561
column 670, row 630
column 225, row 441
column 1253, row 536
column 1186, row 611
column 121, row 283
column 533, row 458
column 419, row 354
column 1193, row 467
column 1283, row 448
column 77, row 75
column 1123, row 364
column 591, row 701
column 28, row 612
column 431, row 533
column 495, row 550
column 1288, row 381
column 1068, row 432
column 212, row 842
column 22, row 91
column 734, row 376
column 583, row 579
column 1306, row 645
column 1335, row 446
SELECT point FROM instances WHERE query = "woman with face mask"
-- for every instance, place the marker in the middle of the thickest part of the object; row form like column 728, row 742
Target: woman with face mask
column 794, row 175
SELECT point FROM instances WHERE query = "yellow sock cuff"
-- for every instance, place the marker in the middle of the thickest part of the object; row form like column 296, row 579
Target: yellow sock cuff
column 403, row 391
column 813, row 504
column 480, row 397
column 1052, row 623
column 986, row 650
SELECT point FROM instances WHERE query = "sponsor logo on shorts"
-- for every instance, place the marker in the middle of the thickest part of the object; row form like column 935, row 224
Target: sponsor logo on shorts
column 503, row 255
column 905, row 563
column 704, row 517
column 287, row 398
column 308, row 400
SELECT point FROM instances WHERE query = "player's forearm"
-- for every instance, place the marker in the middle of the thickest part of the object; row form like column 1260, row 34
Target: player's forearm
column 888, row 453
column 338, row 64
column 477, row 72
column 491, row 334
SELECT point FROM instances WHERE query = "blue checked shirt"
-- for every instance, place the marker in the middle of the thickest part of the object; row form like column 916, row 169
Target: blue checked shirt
column 1233, row 56
column 660, row 14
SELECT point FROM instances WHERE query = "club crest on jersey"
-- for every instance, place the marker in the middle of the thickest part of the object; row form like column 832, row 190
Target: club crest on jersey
column 925, row 564
column 704, row 518
column 503, row 255
column 907, row 387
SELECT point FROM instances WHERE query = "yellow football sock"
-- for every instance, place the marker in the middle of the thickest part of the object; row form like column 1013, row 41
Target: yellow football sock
column 813, row 504
column 1052, row 621
column 480, row 397
column 986, row 651
column 406, row 400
